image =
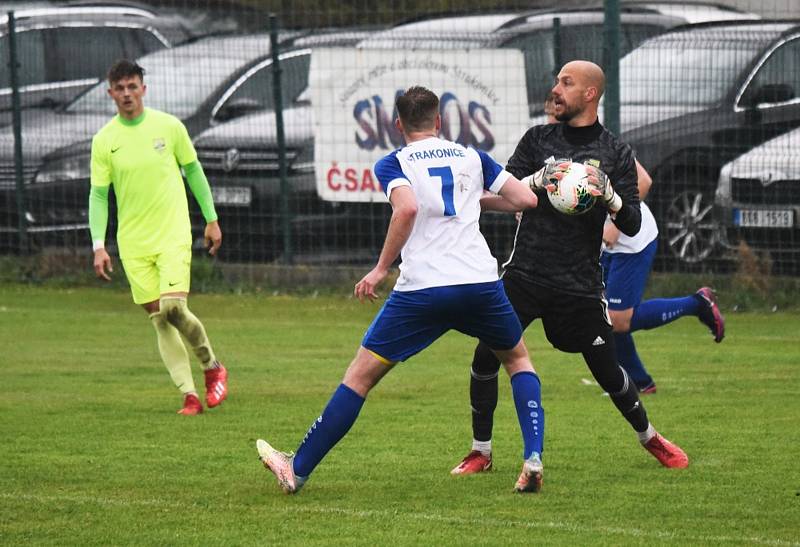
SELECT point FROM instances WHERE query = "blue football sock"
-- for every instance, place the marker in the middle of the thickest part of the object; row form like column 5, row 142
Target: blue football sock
column 328, row 429
column 629, row 360
column 660, row 311
column 527, row 390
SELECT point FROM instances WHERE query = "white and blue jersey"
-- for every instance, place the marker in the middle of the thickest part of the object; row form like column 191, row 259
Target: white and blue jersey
column 448, row 277
column 446, row 246
column 626, row 266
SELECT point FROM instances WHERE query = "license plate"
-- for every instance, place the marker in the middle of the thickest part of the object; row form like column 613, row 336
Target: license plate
column 232, row 195
column 763, row 218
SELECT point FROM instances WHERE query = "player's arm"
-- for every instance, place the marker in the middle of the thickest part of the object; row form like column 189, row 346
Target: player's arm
column 523, row 161
column 643, row 182
column 404, row 213
column 628, row 218
column 622, row 197
column 510, row 194
column 514, row 196
column 186, row 156
column 198, row 184
column 98, row 208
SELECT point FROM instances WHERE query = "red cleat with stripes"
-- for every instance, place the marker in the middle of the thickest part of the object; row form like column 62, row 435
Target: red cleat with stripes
column 216, row 385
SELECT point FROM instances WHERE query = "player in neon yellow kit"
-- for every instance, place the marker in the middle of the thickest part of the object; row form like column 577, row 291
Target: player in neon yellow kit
column 141, row 152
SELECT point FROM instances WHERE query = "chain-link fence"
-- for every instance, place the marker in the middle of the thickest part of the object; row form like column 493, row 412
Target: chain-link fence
column 708, row 96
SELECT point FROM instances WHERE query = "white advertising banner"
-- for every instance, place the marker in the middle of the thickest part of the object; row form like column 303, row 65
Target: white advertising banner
column 483, row 104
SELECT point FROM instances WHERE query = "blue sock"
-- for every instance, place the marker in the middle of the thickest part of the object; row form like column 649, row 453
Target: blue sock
column 629, row 360
column 527, row 390
column 328, row 429
column 654, row 313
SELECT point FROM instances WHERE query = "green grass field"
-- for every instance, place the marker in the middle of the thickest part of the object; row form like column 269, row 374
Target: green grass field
column 93, row 452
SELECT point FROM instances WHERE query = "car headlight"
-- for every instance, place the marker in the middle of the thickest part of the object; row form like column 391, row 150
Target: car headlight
column 64, row 169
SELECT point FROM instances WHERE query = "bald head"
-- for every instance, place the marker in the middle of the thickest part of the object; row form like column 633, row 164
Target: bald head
column 587, row 74
column 579, row 86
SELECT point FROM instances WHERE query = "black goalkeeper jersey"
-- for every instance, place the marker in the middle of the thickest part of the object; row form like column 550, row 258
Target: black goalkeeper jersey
column 561, row 251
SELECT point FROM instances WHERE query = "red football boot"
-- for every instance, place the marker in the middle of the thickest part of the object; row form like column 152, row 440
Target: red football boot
column 475, row 462
column 191, row 405
column 216, row 385
column 669, row 454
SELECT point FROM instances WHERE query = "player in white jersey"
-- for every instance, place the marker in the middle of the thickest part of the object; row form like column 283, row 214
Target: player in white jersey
column 448, row 280
column 627, row 261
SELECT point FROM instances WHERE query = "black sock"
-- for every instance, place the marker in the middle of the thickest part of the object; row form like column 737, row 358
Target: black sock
column 483, row 392
column 614, row 380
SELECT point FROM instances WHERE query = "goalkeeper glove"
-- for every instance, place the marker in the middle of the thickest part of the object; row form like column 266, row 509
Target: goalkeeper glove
column 548, row 176
column 600, row 186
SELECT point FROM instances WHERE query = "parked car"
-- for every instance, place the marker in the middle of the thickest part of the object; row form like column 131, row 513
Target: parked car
column 52, row 41
column 203, row 83
column 694, row 99
column 547, row 39
column 240, row 158
column 693, row 12
column 757, row 202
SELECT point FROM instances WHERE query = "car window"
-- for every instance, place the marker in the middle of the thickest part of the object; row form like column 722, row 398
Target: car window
column 698, row 74
column 635, row 34
column 138, row 42
column 64, row 62
column 30, row 52
column 538, row 50
column 257, row 89
column 175, row 85
column 781, row 71
column 545, row 50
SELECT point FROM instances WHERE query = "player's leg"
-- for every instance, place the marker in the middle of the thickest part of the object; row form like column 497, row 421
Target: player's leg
column 489, row 315
column 526, row 389
column 142, row 276
column 483, row 386
column 654, row 313
column 174, row 269
column 625, row 276
column 582, row 325
column 339, row 415
column 400, row 330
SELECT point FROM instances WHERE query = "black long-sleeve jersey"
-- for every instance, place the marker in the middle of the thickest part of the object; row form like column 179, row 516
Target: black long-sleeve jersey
column 561, row 251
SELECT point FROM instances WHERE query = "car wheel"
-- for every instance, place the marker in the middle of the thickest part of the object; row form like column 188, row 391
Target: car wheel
column 689, row 229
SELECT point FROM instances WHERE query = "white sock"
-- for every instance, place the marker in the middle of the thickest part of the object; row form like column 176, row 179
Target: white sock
column 647, row 434
column 484, row 447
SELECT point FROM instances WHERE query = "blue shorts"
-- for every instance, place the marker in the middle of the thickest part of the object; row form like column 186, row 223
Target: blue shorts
column 411, row 321
column 625, row 276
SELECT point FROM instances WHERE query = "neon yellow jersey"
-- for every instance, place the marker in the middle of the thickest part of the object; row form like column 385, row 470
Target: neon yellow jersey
column 142, row 159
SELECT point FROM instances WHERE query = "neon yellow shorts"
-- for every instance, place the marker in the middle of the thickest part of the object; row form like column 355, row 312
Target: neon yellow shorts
column 151, row 276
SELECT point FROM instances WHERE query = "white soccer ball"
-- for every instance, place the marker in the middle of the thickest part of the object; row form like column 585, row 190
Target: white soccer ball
column 572, row 195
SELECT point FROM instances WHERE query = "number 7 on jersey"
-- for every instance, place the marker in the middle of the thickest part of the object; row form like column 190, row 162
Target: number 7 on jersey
column 446, row 174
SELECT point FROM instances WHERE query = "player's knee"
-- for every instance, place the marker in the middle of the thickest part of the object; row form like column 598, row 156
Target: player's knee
column 159, row 320
column 484, row 361
column 174, row 310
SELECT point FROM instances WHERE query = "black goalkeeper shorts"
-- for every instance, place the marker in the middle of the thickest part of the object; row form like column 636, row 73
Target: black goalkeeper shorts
column 571, row 323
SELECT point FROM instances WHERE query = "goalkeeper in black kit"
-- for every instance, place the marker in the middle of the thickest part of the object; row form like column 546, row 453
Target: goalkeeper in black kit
column 554, row 270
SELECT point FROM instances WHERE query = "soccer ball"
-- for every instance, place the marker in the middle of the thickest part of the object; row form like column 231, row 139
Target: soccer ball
column 572, row 196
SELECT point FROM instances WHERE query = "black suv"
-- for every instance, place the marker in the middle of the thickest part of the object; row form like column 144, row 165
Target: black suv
column 52, row 45
column 694, row 99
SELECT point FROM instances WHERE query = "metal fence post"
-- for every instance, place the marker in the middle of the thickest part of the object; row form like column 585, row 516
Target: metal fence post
column 557, row 56
column 612, row 50
column 13, row 65
column 276, row 90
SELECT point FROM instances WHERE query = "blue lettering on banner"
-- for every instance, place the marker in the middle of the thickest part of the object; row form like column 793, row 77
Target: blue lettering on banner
column 469, row 125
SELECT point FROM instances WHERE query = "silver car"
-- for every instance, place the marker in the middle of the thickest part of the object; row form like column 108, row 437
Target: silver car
column 757, row 203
